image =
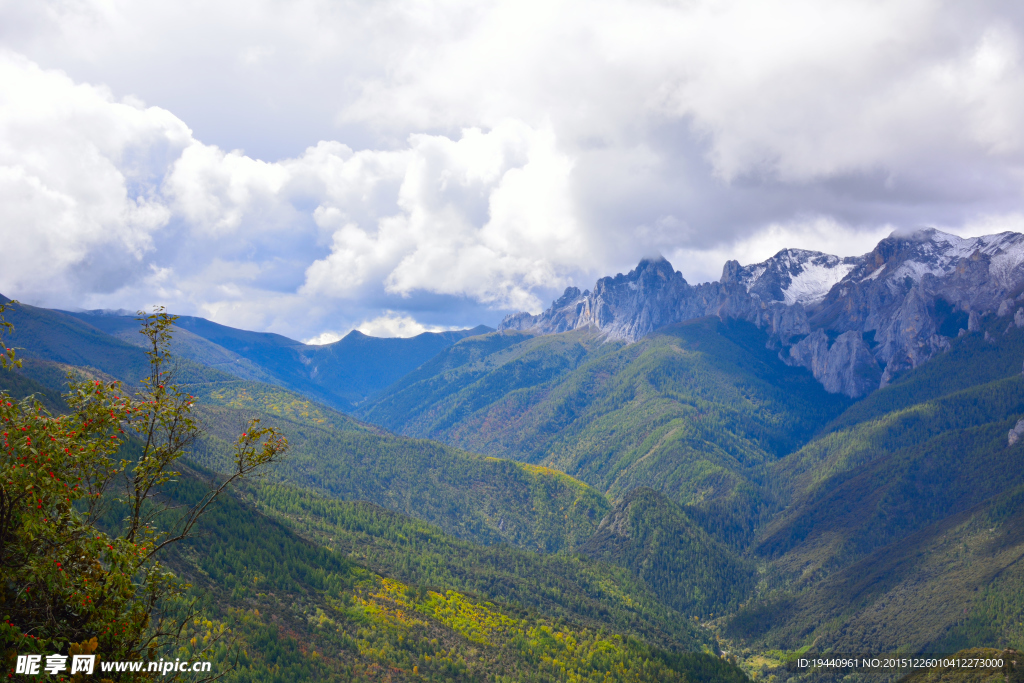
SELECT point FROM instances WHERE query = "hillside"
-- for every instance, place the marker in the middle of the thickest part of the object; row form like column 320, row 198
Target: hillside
column 872, row 521
column 690, row 571
column 694, row 469
column 471, row 496
column 296, row 606
column 299, row 587
column 468, row 495
column 905, row 526
column 694, row 410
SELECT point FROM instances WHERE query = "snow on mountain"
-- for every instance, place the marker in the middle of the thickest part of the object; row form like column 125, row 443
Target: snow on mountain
column 930, row 251
column 794, row 276
column 855, row 322
column 815, row 280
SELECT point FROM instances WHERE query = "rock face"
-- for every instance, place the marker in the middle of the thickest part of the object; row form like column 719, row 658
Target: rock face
column 653, row 295
column 624, row 307
column 1015, row 433
column 855, row 322
column 846, row 367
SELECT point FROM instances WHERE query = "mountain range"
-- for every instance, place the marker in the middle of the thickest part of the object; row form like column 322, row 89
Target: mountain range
column 341, row 374
column 814, row 454
column 855, row 322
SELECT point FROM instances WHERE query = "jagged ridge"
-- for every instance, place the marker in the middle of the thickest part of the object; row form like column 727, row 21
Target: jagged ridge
column 855, row 322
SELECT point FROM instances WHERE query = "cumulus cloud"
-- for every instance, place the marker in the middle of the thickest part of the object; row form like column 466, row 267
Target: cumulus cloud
column 79, row 204
column 391, row 324
column 817, row 233
column 309, row 166
column 488, row 216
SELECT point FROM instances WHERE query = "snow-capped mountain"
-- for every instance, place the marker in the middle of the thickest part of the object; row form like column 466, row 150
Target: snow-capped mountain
column 931, row 252
column 855, row 322
column 793, row 276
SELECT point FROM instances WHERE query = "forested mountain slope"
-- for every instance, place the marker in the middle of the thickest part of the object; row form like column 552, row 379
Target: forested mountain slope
column 905, row 521
column 952, row 584
column 296, row 586
column 314, row 589
column 688, row 569
column 694, row 410
column 469, row 495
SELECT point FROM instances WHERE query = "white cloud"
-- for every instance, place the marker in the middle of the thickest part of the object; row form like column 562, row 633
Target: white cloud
column 344, row 159
column 391, row 324
column 79, row 205
column 797, row 88
column 817, row 233
column 214, row 190
column 488, row 216
column 324, row 338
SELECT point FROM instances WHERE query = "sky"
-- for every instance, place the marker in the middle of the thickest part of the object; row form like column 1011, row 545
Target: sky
column 315, row 166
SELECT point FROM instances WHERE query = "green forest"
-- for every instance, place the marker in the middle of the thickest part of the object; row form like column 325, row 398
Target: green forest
column 556, row 508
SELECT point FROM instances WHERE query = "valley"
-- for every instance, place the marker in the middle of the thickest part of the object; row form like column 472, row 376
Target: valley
column 650, row 481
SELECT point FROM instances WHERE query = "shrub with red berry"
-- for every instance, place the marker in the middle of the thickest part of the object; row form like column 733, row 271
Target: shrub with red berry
column 63, row 580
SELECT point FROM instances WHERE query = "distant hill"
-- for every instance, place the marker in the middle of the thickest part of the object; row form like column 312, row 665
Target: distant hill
column 341, row 374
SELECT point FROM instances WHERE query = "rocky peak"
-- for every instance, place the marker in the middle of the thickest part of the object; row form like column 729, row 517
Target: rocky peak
column 792, row 276
column 650, row 273
column 626, row 306
column 819, row 309
column 570, row 295
column 928, row 251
